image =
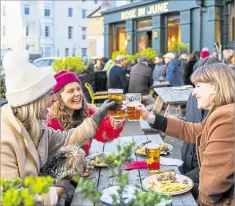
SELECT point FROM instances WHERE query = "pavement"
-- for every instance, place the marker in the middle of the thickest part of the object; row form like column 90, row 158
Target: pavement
column 133, row 129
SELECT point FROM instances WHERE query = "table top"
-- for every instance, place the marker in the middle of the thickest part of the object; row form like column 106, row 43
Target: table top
column 174, row 95
column 157, row 84
column 103, row 180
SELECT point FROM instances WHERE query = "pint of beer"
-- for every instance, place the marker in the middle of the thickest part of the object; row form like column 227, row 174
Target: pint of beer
column 153, row 157
column 132, row 113
column 118, row 111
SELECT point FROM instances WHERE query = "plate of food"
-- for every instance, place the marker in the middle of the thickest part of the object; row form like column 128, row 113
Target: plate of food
column 164, row 147
column 101, row 159
column 128, row 194
column 168, row 183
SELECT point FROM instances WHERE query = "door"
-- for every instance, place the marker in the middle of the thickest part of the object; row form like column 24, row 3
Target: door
column 144, row 40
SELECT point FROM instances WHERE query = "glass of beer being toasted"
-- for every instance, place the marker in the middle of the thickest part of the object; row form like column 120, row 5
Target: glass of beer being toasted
column 118, row 111
column 133, row 100
column 153, row 157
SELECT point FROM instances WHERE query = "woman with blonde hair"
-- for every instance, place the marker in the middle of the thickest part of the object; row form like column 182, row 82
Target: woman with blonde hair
column 71, row 109
column 27, row 144
column 214, row 137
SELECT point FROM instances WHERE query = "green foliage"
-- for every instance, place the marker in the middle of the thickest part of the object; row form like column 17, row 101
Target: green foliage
column 89, row 190
column 22, row 192
column 3, row 86
column 178, row 48
column 149, row 53
column 73, row 64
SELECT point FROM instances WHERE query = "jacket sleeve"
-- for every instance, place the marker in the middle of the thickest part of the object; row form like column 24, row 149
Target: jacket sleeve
column 185, row 131
column 170, row 72
column 150, row 78
column 217, row 167
column 124, row 80
column 78, row 135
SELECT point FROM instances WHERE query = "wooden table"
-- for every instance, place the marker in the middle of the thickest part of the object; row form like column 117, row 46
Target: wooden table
column 157, row 84
column 171, row 96
column 103, row 179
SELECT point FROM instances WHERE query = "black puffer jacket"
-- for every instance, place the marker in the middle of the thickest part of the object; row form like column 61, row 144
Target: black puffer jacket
column 188, row 151
column 188, row 72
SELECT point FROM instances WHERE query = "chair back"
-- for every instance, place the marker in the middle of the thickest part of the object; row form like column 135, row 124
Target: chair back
column 90, row 89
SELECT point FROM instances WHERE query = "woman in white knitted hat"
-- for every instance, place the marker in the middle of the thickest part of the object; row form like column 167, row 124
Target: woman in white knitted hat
column 26, row 144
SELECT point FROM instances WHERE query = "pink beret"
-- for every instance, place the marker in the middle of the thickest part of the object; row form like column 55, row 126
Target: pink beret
column 63, row 78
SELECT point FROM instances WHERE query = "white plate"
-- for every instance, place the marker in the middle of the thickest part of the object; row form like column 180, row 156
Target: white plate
column 162, row 152
column 128, row 194
column 179, row 178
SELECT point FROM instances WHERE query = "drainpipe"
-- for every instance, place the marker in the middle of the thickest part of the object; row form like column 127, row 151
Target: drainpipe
column 200, row 28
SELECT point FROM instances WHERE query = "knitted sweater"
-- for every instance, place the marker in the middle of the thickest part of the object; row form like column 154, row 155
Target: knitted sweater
column 104, row 133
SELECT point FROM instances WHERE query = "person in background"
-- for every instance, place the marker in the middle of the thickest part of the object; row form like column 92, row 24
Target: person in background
column 173, row 74
column 215, row 53
column 204, row 53
column 190, row 67
column 117, row 75
column 98, row 65
column 229, row 58
column 214, row 137
column 141, row 81
column 188, row 151
column 71, row 109
column 26, row 143
column 104, row 60
column 184, row 57
column 160, row 68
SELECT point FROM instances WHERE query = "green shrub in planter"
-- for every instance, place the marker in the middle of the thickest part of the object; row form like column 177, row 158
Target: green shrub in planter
column 178, row 48
column 73, row 64
column 149, row 53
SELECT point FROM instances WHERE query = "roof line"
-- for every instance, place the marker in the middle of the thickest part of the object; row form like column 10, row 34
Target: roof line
column 93, row 12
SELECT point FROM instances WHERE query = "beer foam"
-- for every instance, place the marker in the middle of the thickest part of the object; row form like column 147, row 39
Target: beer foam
column 152, row 146
column 133, row 104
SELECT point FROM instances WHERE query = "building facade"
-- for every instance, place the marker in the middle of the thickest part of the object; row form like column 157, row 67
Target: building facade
column 162, row 24
column 49, row 28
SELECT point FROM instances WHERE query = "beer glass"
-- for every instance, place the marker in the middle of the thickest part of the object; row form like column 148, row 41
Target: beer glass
column 133, row 100
column 118, row 111
column 153, row 157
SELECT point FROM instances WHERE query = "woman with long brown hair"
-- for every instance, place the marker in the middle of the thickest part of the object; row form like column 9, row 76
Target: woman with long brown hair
column 71, row 109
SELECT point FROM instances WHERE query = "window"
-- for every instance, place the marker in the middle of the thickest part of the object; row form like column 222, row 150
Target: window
column 83, row 13
column 231, row 11
column 83, row 0
column 47, row 31
column 70, row 12
column 95, row 1
column 84, row 51
column 27, row 30
column 70, row 32
column 173, row 31
column 26, row 9
column 144, row 24
column 84, row 36
column 84, row 29
column 47, row 12
column 74, row 51
column 47, row 53
column 66, row 52
column 3, row 31
column 3, row 11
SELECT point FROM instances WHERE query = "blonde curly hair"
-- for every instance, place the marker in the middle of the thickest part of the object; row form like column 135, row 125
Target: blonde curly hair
column 58, row 111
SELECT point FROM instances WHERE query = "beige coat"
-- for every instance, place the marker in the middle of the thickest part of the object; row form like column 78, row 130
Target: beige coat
column 20, row 157
column 214, row 138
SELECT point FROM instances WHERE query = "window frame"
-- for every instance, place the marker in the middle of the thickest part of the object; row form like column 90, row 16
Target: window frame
column 47, row 9
column 70, row 12
column 83, row 13
column 45, row 33
column 70, row 32
column 27, row 30
column 84, row 49
column 26, row 8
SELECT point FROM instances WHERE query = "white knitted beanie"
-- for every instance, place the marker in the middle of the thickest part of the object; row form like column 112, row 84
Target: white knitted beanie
column 25, row 82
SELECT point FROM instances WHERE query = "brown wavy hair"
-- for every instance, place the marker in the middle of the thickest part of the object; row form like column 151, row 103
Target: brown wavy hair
column 58, row 111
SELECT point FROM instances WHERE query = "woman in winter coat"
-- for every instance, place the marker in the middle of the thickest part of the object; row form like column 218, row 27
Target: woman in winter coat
column 26, row 143
column 214, row 137
column 189, row 67
column 71, row 109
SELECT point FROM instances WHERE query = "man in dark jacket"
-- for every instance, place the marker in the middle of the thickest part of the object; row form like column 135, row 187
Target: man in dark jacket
column 117, row 75
column 173, row 73
column 141, row 81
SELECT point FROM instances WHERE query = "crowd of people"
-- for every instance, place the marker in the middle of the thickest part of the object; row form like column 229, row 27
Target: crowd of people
column 45, row 113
